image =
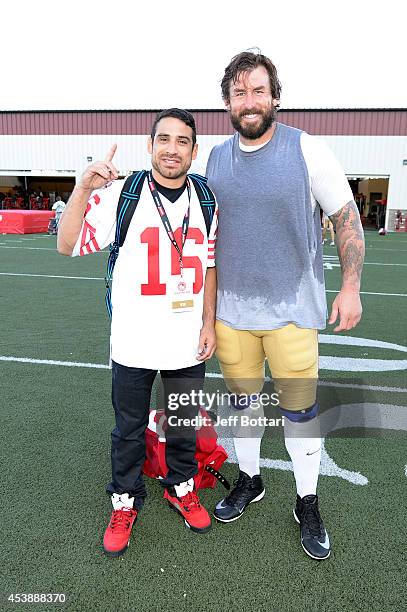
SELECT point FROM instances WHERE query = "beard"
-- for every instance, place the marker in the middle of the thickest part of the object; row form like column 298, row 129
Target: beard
column 254, row 131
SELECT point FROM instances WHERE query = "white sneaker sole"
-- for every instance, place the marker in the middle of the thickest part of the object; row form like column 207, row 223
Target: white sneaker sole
column 305, row 550
column 256, row 499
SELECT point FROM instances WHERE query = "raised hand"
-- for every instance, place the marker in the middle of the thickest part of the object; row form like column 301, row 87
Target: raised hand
column 98, row 174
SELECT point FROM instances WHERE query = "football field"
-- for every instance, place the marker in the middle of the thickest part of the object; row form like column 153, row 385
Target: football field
column 56, row 419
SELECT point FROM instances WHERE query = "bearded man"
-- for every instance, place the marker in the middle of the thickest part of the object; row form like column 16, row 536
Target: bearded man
column 270, row 182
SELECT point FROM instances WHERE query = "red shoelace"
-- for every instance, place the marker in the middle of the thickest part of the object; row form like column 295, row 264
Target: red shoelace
column 191, row 502
column 121, row 519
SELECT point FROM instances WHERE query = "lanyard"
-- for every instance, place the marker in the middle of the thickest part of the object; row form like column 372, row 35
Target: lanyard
column 166, row 221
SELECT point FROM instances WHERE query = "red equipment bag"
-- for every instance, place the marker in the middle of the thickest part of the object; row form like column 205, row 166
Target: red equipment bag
column 209, row 454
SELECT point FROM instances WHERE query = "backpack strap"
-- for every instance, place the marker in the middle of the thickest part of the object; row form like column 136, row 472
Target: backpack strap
column 126, row 207
column 205, row 197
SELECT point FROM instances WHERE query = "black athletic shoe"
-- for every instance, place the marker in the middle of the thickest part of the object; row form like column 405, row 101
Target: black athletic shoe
column 247, row 490
column 314, row 537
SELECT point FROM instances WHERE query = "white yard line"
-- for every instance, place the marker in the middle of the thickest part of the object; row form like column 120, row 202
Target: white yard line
column 374, row 263
column 71, row 364
column 389, row 250
column 101, row 366
column 370, row 293
column 335, row 258
column 102, row 279
column 2, row 246
column 52, row 276
column 322, row 383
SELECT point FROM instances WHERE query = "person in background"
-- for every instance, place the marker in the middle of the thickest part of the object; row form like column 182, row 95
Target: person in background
column 59, row 207
column 327, row 225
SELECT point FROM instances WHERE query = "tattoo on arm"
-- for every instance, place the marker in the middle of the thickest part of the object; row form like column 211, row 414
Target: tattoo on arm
column 350, row 243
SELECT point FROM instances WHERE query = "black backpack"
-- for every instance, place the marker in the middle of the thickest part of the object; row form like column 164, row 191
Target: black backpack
column 126, row 207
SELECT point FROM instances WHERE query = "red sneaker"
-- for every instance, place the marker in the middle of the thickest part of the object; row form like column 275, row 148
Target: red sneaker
column 118, row 531
column 189, row 507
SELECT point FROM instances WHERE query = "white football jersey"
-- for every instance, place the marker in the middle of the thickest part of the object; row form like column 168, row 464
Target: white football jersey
column 146, row 332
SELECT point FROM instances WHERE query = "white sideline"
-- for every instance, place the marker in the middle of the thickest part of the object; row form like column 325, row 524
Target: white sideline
column 72, row 364
column 369, row 293
column 375, row 263
column 335, row 259
column 326, row 257
column 51, row 276
column 389, row 250
column 2, row 246
column 102, row 279
column 101, row 366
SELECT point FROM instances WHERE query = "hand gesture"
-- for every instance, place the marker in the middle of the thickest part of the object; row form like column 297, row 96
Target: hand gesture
column 98, row 174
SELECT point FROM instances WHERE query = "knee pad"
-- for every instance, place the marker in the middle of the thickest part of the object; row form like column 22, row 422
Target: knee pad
column 295, row 351
column 301, row 416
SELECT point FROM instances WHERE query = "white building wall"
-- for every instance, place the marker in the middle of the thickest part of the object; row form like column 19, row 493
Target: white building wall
column 67, row 156
column 375, row 156
column 360, row 156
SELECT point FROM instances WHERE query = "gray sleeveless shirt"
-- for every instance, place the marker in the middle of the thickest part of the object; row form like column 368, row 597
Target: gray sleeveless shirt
column 269, row 248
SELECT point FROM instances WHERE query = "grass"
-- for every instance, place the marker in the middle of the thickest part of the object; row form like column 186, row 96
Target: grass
column 55, row 464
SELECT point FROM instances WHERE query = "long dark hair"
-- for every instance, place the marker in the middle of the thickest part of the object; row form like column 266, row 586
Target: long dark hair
column 246, row 62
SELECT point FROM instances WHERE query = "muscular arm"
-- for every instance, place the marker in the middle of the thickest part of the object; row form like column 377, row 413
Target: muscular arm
column 350, row 243
column 207, row 340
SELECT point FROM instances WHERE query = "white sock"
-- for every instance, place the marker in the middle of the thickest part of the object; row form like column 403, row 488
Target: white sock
column 122, row 501
column 305, row 455
column 184, row 487
column 248, row 455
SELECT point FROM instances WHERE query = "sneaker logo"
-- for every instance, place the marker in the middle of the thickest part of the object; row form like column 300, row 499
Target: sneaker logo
column 326, row 543
column 122, row 501
column 313, row 452
column 221, row 505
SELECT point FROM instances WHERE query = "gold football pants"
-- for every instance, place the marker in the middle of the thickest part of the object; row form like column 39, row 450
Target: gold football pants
column 292, row 354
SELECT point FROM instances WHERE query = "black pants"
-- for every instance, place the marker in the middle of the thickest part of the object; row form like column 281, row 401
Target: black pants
column 131, row 394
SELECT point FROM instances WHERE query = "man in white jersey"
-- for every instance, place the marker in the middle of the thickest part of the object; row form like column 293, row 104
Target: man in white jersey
column 270, row 182
column 59, row 207
column 163, row 312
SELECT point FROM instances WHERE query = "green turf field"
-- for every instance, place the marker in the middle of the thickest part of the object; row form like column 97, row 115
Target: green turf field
column 55, row 434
